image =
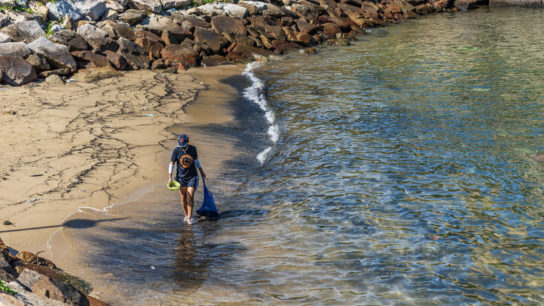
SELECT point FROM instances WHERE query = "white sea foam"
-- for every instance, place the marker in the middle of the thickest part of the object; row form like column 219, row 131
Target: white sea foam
column 255, row 94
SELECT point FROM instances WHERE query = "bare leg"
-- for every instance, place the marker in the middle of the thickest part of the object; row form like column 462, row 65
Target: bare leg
column 190, row 200
column 183, row 196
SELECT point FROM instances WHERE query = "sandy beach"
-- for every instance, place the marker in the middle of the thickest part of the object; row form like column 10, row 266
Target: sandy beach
column 88, row 146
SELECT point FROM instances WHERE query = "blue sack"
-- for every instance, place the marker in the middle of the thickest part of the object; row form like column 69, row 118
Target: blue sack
column 208, row 206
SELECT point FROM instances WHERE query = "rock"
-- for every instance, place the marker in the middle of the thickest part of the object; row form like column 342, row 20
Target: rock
column 134, row 54
column 3, row 248
column 18, row 49
column 68, row 23
column 290, row 33
column 4, row 20
column 214, row 60
column 274, row 32
column 158, row 64
column 113, row 5
column 212, row 9
column 228, row 25
column 151, row 43
column 96, row 74
column 73, row 40
column 59, row 9
column 175, row 4
column 215, row 41
column 305, row 39
column 9, row 4
column 61, row 71
column 424, row 8
column 306, row 10
column 116, row 30
column 16, row 71
column 132, row 17
column 259, row 4
column 154, row 6
column 54, row 80
column 331, row 29
column 281, row 47
column 26, row 31
column 93, row 9
column 6, row 299
column 39, row 63
column 116, row 60
column 98, row 39
column 252, row 9
column 234, row 10
column 307, row 28
column 189, row 22
column 174, row 34
column 90, row 59
column 273, row 11
column 47, row 287
column 57, row 55
column 241, row 53
column 7, row 273
column 331, row 19
column 155, row 23
column 4, row 38
column 179, row 54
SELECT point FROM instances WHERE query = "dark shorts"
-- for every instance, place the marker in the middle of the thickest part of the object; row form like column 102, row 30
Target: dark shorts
column 190, row 182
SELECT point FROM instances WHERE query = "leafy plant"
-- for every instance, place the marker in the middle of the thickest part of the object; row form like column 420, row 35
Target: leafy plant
column 5, row 289
column 18, row 9
column 50, row 25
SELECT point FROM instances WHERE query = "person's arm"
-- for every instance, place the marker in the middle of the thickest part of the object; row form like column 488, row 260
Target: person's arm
column 170, row 171
column 197, row 163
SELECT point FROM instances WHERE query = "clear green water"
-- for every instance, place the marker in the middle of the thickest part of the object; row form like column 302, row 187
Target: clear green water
column 408, row 170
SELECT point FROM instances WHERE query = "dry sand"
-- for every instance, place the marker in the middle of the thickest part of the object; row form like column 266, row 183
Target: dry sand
column 67, row 147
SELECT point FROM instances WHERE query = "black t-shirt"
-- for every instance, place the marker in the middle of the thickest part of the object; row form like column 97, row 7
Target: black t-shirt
column 186, row 162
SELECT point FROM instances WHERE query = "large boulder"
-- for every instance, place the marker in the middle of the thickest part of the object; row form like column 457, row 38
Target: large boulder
column 239, row 53
column 89, row 59
column 115, row 29
column 190, row 22
column 132, row 17
column 307, row 28
column 331, row 29
column 59, row 9
column 214, row 41
column 154, row 6
column 179, row 54
column 38, row 62
column 4, row 38
column 212, row 9
column 135, row 55
column 234, row 10
column 174, row 34
column 228, row 26
column 71, row 39
column 94, row 9
column 14, row 49
column 151, row 43
column 16, row 71
column 26, row 31
column 98, row 39
column 175, row 4
column 50, row 288
column 57, row 55
column 116, row 60
column 273, row 11
column 155, row 23
column 7, row 273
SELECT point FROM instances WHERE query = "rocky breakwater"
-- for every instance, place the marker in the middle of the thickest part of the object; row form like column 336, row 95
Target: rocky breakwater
column 27, row 279
column 41, row 39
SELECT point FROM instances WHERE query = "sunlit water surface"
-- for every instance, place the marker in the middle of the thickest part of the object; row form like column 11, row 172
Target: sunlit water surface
column 409, row 170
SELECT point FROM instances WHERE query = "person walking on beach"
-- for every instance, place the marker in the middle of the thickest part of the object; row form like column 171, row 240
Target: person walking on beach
column 186, row 158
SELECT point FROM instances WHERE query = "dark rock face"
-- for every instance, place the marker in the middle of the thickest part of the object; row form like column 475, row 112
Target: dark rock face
column 39, row 63
column 179, row 54
column 135, row 55
column 116, row 60
column 242, row 53
column 228, row 25
column 90, row 59
column 71, row 39
column 16, row 71
column 151, row 43
column 47, row 287
column 214, row 41
column 174, row 34
column 189, row 22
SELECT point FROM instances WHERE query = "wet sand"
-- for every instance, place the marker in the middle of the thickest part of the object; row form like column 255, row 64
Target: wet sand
column 89, row 146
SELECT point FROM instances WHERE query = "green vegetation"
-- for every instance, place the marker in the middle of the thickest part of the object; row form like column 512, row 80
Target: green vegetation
column 17, row 9
column 5, row 289
column 50, row 25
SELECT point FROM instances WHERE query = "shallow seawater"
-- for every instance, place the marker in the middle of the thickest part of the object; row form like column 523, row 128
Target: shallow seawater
column 408, row 170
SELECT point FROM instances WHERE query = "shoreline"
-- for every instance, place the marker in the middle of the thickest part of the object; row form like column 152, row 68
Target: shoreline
column 28, row 210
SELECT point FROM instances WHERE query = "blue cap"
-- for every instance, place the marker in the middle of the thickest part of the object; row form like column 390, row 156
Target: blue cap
column 183, row 141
